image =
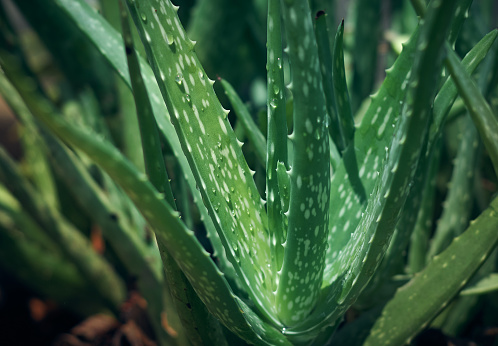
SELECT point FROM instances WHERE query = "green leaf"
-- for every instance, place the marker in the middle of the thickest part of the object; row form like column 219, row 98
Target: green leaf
column 341, row 89
column 480, row 111
column 305, row 246
column 212, row 150
column 431, row 290
column 356, row 262
column 277, row 196
column 326, row 65
column 486, row 285
column 458, row 203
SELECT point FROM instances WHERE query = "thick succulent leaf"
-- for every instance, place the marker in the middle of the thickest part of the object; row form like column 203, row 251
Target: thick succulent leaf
column 375, row 134
column 250, row 128
column 369, row 242
column 277, row 189
column 458, row 203
column 341, row 89
column 180, row 242
column 431, row 290
column 486, row 285
column 371, row 138
column 326, row 65
column 419, row 239
column 451, row 219
column 480, row 111
column 214, row 153
column 108, row 41
column 305, row 246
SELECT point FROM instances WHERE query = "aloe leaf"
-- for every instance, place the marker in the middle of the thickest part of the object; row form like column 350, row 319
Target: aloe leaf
column 277, row 184
column 458, row 203
column 358, row 260
column 376, row 127
column 109, row 43
column 305, row 244
column 180, row 242
column 341, row 89
column 251, row 129
column 480, row 111
column 378, row 130
column 213, row 152
column 485, row 285
column 345, row 115
column 326, row 66
column 431, row 290
column 419, row 239
column 393, row 185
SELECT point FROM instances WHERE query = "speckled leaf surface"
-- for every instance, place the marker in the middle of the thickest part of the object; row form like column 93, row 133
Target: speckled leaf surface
column 369, row 242
column 442, row 105
column 372, row 138
column 277, row 198
column 212, row 150
column 305, row 246
column 431, row 290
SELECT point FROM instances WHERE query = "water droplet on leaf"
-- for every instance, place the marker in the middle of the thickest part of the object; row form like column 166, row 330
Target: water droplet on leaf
column 179, row 79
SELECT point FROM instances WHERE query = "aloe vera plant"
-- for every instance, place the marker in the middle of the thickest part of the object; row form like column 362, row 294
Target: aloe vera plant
column 341, row 201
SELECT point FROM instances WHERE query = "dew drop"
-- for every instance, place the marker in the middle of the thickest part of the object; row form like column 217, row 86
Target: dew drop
column 279, row 63
column 276, row 89
column 273, row 103
column 189, row 100
column 169, row 39
column 318, row 134
column 144, row 17
column 178, row 79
